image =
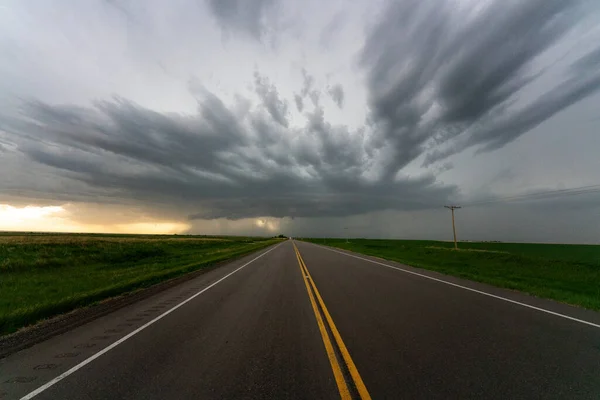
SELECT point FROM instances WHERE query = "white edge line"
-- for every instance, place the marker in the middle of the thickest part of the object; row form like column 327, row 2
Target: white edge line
column 465, row 288
column 138, row 330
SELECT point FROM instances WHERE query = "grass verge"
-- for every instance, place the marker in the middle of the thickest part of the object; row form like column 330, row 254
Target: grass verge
column 45, row 275
column 567, row 273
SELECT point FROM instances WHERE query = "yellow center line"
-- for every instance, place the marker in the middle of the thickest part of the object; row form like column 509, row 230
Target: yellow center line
column 358, row 382
column 335, row 366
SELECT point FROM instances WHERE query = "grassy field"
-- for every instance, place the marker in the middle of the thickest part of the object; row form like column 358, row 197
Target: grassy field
column 42, row 275
column 567, row 273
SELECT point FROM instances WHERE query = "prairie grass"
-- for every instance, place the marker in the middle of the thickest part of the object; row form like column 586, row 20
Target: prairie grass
column 563, row 272
column 42, row 275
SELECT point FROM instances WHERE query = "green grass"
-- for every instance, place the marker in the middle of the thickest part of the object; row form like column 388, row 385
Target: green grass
column 567, row 273
column 42, row 275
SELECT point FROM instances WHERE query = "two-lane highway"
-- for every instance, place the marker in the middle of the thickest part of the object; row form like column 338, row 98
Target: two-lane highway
column 429, row 336
column 307, row 322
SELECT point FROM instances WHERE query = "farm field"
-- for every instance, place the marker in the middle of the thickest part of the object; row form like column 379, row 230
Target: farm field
column 563, row 272
column 43, row 274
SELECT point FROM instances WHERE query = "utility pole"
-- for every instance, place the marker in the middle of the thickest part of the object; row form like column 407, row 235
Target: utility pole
column 452, row 208
column 346, row 231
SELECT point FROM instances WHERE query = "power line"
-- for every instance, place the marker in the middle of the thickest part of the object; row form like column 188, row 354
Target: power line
column 540, row 195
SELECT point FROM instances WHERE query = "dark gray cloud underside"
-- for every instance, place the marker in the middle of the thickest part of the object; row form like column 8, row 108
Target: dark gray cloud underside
column 215, row 163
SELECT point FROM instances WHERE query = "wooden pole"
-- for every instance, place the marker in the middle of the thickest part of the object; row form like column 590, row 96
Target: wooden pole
column 454, row 230
column 452, row 208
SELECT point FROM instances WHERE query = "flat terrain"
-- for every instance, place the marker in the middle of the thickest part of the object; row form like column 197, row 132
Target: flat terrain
column 42, row 275
column 563, row 272
column 318, row 323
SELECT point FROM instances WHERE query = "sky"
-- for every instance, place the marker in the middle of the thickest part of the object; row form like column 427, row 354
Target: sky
column 312, row 118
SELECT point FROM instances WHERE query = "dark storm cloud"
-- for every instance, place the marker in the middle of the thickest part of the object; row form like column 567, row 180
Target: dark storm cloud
column 215, row 163
column 441, row 78
column 337, row 94
column 440, row 82
column 247, row 16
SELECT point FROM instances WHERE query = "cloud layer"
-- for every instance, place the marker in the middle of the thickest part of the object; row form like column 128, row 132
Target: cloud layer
column 254, row 134
column 232, row 163
column 438, row 86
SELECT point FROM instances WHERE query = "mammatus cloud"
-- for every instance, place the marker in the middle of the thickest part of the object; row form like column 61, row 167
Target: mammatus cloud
column 442, row 80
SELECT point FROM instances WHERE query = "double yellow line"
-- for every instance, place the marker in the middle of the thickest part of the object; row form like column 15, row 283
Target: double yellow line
column 313, row 292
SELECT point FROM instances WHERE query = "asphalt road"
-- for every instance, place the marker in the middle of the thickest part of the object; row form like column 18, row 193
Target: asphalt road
column 319, row 324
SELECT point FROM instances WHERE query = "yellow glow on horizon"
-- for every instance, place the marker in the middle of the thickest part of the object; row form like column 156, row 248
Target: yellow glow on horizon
column 10, row 215
column 271, row 226
column 57, row 219
column 152, row 228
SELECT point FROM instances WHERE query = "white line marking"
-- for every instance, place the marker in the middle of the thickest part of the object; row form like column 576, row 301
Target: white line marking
column 466, row 288
column 138, row 330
